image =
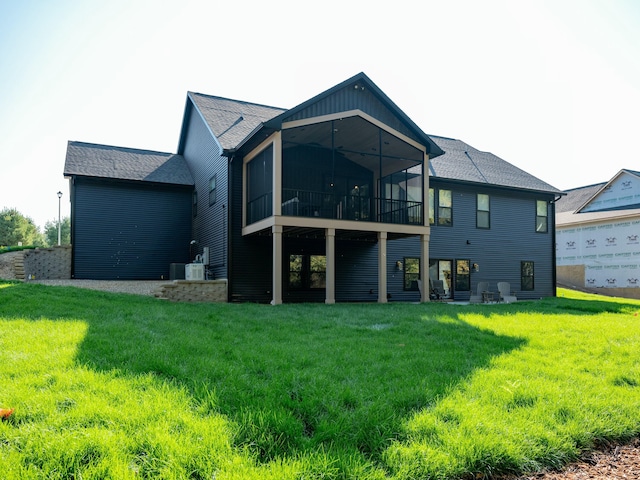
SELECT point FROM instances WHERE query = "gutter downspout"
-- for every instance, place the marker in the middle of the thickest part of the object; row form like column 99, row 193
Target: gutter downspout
column 554, row 275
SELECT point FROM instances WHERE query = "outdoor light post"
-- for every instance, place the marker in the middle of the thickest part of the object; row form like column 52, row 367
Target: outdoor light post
column 59, row 224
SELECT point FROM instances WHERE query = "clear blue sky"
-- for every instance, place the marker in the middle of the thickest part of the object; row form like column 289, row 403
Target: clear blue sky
column 550, row 86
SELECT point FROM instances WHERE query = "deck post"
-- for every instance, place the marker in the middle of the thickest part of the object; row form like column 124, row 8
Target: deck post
column 330, row 280
column 424, row 267
column 276, row 288
column 382, row 267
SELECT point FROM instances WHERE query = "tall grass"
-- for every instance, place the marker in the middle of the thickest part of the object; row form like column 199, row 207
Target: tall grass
column 119, row 386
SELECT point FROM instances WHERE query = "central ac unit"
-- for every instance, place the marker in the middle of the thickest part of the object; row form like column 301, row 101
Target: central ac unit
column 194, row 271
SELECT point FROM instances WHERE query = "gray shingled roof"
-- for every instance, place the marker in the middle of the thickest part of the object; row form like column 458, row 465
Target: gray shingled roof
column 231, row 121
column 104, row 161
column 465, row 163
column 577, row 197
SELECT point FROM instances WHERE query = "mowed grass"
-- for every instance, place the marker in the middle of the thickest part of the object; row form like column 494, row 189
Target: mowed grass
column 113, row 386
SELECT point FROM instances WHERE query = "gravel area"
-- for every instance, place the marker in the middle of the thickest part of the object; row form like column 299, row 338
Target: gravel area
column 608, row 462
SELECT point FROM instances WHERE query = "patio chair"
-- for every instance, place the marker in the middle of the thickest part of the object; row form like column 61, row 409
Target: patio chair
column 482, row 287
column 437, row 289
column 506, row 295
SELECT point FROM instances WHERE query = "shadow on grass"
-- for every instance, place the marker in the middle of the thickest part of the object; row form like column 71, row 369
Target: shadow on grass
column 296, row 379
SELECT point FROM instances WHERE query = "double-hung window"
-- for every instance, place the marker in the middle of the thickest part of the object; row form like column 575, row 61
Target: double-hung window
column 463, row 277
column 526, row 276
column 483, row 214
column 542, row 216
column 445, row 208
column 411, row 273
column 213, row 183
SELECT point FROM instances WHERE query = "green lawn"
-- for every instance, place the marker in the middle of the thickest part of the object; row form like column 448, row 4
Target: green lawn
column 113, row 386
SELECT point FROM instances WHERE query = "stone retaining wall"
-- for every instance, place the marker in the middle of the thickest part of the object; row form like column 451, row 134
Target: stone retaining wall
column 194, row 291
column 48, row 263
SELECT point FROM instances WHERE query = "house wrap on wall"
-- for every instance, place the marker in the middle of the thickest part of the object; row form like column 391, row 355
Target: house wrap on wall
column 598, row 236
column 341, row 198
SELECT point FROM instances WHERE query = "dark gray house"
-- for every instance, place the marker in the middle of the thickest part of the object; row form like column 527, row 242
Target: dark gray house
column 342, row 198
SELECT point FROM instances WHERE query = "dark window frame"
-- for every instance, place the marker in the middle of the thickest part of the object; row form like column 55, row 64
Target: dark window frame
column 409, row 277
column 459, row 286
column 432, row 207
column 213, row 189
column 194, row 204
column 442, row 219
column 306, row 274
column 483, row 214
column 542, row 221
column 527, row 276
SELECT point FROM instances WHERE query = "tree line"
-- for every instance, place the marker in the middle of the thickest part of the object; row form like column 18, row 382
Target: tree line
column 18, row 229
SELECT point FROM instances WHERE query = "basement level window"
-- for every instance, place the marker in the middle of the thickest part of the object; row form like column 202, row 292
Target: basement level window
column 307, row 272
column 527, row 276
column 411, row 273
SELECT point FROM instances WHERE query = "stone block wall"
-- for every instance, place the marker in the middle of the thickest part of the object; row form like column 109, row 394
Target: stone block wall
column 194, row 291
column 48, row 263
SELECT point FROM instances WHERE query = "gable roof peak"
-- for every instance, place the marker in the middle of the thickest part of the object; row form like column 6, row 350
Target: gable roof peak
column 360, row 82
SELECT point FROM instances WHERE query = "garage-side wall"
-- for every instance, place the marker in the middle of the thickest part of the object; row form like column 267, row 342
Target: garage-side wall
column 129, row 231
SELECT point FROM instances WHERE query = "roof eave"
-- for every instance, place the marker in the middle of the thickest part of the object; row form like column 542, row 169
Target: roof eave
column 553, row 191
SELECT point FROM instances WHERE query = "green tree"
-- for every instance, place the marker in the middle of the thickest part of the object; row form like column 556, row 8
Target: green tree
column 51, row 232
column 16, row 228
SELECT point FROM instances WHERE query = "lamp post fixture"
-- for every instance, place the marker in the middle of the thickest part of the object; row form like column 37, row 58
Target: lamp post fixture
column 59, row 224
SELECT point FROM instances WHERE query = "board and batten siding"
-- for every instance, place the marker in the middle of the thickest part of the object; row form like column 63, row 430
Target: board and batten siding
column 129, row 231
column 203, row 156
column 349, row 99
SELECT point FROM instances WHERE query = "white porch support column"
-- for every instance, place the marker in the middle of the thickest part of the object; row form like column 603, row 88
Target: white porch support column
column 330, row 280
column 382, row 267
column 276, row 288
column 424, row 267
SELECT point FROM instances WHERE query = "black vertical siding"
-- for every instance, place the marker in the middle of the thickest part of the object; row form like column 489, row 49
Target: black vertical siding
column 356, row 271
column 203, row 156
column 498, row 250
column 129, row 231
column 250, row 258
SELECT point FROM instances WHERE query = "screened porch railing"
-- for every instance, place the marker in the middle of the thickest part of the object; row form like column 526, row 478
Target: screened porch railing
column 303, row 203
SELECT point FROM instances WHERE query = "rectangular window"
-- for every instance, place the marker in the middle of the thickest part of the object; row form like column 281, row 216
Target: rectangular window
column 541, row 216
column 526, row 276
column 432, row 208
column 463, row 278
column 445, row 214
column 307, row 272
column 195, row 204
column 317, row 271
column 483, row 218
column 212, row 189
column 295, row 271
column 411, row 273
